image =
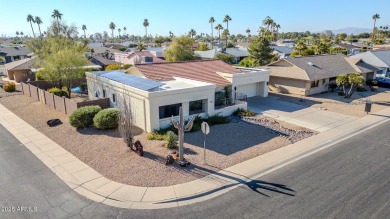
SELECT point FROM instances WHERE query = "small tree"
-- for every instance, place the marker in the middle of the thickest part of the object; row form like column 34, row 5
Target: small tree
column 259, row 49
column 202, row 47
column 343, row 81
column 113, row 67
column 180, row 50
column 355, row 80
column 125, row 121
column 225, row 57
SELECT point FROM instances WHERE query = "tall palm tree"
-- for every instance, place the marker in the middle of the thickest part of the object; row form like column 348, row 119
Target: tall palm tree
column 84, row 28
column 39, row 22
column 268, row 22
column 56, row 15
column 226, row 20
column 30, row 19
column 124, row 30
column 192, row 33
column 219, row 28
column 170, row 34
column 21, row 34
column 226, row 34
column 211, row 21
column 374, row 17
column 112, row 27
column 119, row 31
column 17, row 34
column 146, row 25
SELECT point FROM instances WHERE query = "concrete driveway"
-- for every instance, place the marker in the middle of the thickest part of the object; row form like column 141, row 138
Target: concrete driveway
column 308, row 117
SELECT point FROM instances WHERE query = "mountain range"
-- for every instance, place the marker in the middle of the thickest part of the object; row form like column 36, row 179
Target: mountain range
column 352, row 30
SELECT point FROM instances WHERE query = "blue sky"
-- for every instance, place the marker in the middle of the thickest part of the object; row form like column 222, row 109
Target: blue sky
column 179, row 16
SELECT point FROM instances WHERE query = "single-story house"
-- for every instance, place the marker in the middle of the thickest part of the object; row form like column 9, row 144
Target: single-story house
column 378, row 58
column 310, row 75
column 136, row 57
column 103, row 62
column 103, row 51
column 157, row 91
column 15, row 53
column 282, row 51
column 351, row 49
column 238, row 53
column 285, row 42
column 21, row 70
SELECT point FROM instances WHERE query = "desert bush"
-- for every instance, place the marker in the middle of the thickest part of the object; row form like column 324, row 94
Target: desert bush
column 341, row 93
column 217, row 119
column 374, row 88
column 9, row 87
column 360, row 88
column 39, row 75
column 171, row 139
column 372, row 82
column 155, row 136
column 106, row 119
column 126, row 66
column 244, row 113
column 58, row 92
column 332, row 85
column 113, row 67
column 83, row 117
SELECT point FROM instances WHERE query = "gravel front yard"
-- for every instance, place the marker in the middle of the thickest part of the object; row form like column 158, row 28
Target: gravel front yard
column 332, row 102
column 105, row 151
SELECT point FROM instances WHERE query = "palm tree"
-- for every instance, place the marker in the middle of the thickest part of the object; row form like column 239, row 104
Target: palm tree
column 119, row 31
column 146, row 25
column 226, row 20
column 112, row 27
column 30, row 19
column 170, row 34
column 226, row 34
column 374, row 17
column 17, row 34
column 219, row 28
column 141, row 47
column 21, row 34
column 192, row 33
column 268, row 22
column 39, row 22
column 56, row 15
column 124, row 30
column 211, row 21
column 84, row 28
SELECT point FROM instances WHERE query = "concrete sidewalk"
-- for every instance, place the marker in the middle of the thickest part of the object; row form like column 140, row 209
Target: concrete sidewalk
column 89, row 183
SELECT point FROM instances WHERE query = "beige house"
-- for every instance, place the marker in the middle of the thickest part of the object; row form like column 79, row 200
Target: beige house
column 157, row 91
column 21, row 70
column 136, row 57
column 312, row 74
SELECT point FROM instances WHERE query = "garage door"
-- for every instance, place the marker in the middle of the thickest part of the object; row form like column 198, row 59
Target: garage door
column 249, row 89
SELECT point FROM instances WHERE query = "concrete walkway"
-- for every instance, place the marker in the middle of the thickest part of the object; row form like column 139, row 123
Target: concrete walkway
column 89, row 183
column 308, row 117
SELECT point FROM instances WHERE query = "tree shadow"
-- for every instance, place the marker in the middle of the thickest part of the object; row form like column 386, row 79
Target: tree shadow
column 108, row 132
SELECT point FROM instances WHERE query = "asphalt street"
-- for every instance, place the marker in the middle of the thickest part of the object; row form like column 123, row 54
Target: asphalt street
column 348, row 180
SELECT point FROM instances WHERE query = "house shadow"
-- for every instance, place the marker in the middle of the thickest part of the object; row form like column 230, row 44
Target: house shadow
column 230, row 138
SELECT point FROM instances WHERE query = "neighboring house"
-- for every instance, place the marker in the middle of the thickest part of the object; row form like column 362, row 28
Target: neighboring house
column 102, row 51
column 136, row 57
column 102, row 61
column 351, row 49
column 285, row 42
column 310, row 75
column 238, row 54
column 21, row 70
column 157, row 91
column 15, row 53
column 282, row 51
column 378, row 58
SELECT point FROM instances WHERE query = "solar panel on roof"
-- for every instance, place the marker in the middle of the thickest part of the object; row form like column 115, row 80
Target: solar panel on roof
column 132, row 81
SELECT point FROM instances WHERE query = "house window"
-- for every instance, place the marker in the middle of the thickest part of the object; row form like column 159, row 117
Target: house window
column 314, row 83
column 114, row 98
column 169, row 110
column 104, row 93
column 196, row 107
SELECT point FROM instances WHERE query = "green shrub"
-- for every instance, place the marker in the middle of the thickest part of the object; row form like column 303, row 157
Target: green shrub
column 126, row 66
column 360, row 88
column 83, row 117
column 341, row 93
column 113, row 67
column 155, row 136
column 332, row 85
column 372, row 82
column 217, row 119
column 171, row 139
column 39, row 75
column 58, row 92
column 122, row 49
column 9, row 87
column 106, row 119
column 374, row 88
column 244, row 113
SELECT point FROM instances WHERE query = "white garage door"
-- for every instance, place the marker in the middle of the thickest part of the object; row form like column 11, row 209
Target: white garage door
column 250, row 90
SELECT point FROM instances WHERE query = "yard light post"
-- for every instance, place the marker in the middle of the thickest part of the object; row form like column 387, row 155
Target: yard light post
column 206, row 130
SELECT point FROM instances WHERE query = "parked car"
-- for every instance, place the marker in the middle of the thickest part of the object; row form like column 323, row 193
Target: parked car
column 383, row 82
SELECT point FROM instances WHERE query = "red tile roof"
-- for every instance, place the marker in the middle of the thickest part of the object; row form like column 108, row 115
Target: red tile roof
column 205, row 71
column 145, row 53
